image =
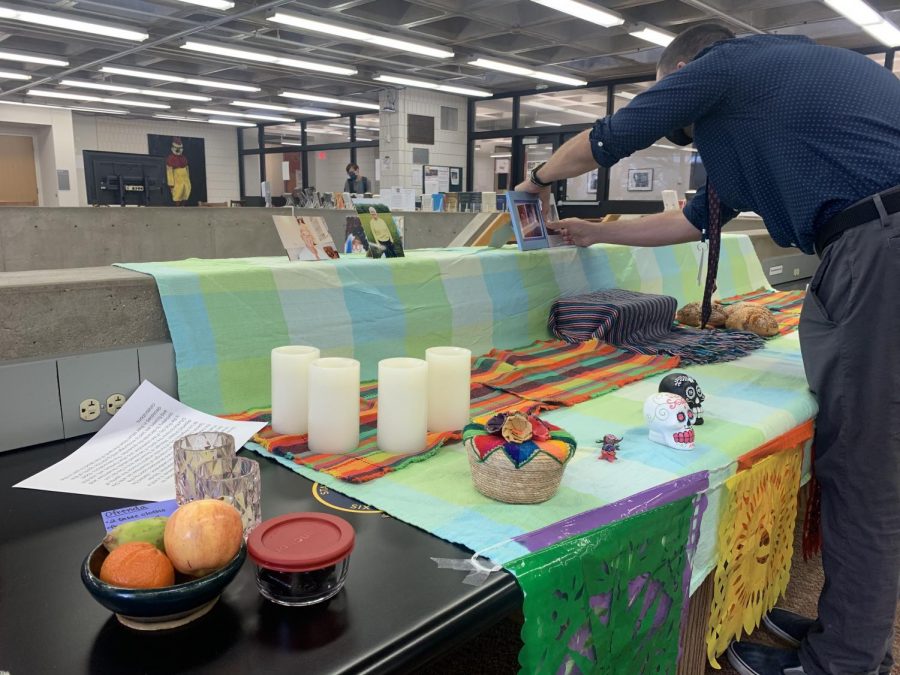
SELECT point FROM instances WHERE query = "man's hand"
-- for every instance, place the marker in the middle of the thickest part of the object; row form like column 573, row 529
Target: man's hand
column 576, row 231
column 544, row 194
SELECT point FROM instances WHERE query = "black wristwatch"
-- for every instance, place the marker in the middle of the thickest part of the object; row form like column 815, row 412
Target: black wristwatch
column 533, row 177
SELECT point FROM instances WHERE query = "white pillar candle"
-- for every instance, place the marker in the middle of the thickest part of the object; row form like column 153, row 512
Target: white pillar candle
column 449, row 375
column 290, row 388
column 334, row 406
column 402, row 405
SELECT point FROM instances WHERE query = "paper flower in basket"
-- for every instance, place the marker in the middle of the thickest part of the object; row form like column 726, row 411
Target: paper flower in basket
column 521, row 437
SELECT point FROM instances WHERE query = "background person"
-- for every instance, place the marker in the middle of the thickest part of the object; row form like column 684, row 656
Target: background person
column 807, row 136
column 356, row 183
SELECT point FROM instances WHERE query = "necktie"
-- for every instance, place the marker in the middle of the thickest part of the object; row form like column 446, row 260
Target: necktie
column 714, row 234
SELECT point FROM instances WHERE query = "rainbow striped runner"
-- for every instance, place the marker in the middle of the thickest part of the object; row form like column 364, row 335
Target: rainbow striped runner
column 543, row 376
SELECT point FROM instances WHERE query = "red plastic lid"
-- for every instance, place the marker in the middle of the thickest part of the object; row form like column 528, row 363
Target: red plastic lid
column 301, row 542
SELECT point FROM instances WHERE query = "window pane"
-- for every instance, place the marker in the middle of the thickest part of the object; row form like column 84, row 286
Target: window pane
column 367, row 129
column 249, row 137
column 493, row 161
column 327, row 170
column 282, row 134
column 645, row 174
column 493, row 115
column 534, row 154
column 574, row 106
column 283, row 172
column 878, row 58
column 897, row 64
column 623, row 93
column 365, row 157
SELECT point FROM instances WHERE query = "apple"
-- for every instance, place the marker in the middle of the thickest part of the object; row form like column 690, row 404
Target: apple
column 202, row 536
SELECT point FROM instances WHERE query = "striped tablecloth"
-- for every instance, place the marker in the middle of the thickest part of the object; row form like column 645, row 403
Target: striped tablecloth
column 225, row 316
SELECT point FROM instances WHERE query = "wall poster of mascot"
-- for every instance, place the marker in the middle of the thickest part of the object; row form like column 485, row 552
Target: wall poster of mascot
column 185, row 166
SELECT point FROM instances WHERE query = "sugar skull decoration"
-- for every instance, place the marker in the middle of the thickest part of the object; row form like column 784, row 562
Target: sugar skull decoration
column 688, row 389
column 671, row 421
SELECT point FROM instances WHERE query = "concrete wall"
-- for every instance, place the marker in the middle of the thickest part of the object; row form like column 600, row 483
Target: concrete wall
column 113, row 134
column 51, row 131
column 54, row 238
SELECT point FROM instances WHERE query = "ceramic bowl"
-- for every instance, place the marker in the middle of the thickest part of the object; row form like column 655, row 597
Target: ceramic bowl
column 159, row 608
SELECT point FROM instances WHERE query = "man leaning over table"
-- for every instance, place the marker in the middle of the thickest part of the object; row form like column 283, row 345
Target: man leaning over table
column 808, row 137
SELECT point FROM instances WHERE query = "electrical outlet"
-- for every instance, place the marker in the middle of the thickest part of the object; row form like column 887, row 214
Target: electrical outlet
column 114, row 402
column 89, row 409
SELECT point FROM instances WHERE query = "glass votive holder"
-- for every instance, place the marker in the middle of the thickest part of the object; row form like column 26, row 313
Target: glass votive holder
column 301, row 558
column 235, row 481
column 193, row 450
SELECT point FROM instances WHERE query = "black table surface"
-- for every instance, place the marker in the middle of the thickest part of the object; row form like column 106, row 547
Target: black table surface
column 396, row 612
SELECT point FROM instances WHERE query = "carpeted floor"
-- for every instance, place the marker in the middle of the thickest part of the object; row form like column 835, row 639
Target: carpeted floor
column 495, row 652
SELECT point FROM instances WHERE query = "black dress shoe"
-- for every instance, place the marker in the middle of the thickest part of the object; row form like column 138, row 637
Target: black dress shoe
column 748, row 658
column 787, row 626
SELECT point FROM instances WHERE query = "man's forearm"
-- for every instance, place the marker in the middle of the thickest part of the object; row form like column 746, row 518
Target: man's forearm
column 661, row 229
column 574, row 158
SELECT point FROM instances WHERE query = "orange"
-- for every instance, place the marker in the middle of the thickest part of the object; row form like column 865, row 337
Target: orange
column 137, row 564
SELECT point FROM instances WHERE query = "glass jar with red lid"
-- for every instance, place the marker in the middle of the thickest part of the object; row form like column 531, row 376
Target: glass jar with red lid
column 301, row 558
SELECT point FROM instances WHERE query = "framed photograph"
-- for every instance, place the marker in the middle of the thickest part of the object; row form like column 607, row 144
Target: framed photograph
column 527, row 220
column 380, row 231
column 306, row 238
column 640, row 180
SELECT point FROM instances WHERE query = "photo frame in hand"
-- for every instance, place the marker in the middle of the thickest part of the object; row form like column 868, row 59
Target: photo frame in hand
column 527, row 220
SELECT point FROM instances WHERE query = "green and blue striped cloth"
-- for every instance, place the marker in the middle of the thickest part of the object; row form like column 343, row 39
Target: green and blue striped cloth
column 225, row 316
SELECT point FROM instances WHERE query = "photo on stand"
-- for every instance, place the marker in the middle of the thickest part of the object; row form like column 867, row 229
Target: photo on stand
column 306, row 238
column 355, row 236
column 527, row 220
column 381, row 232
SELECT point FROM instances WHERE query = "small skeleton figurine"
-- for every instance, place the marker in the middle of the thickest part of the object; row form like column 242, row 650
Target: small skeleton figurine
column 688, row 389
column 610, row 447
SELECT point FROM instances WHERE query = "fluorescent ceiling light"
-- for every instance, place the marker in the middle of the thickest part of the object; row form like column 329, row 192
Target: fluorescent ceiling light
column 362, row 139
column 83, row 97
column 581, row 10
column 31, row 58
column 231, row 123
column 60, row 21
column 103, row 111
column 284, row 108
column 291, row 143
column 249, row 116
column 502, row 154
column 328, row 99
column 626, row 94
column 212, row 4
column 265, row 57
column 347, row 126
column 856, row 11
column 548, row 124
column 168, row 77
column 654, row 35
column 465, row 91
column 359, row 35
column 159, row 93
column 885, row 32
column 9, row 75
column 180, row 118
column 526, row 72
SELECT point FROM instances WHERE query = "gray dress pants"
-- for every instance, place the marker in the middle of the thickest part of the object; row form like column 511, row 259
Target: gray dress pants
column 850, row 336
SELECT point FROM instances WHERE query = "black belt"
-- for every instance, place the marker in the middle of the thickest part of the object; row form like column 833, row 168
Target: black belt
column 858, row 214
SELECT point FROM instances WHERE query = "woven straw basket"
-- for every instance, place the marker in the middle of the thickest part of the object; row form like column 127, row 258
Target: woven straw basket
column 498, row 478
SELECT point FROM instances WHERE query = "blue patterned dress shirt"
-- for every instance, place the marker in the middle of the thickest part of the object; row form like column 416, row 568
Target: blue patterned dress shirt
column 790, row 129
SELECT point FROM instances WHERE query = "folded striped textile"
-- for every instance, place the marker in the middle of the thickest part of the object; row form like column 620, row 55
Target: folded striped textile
column 542, row 376
column 785, row 305
column 644, row 323
column 561, row 374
